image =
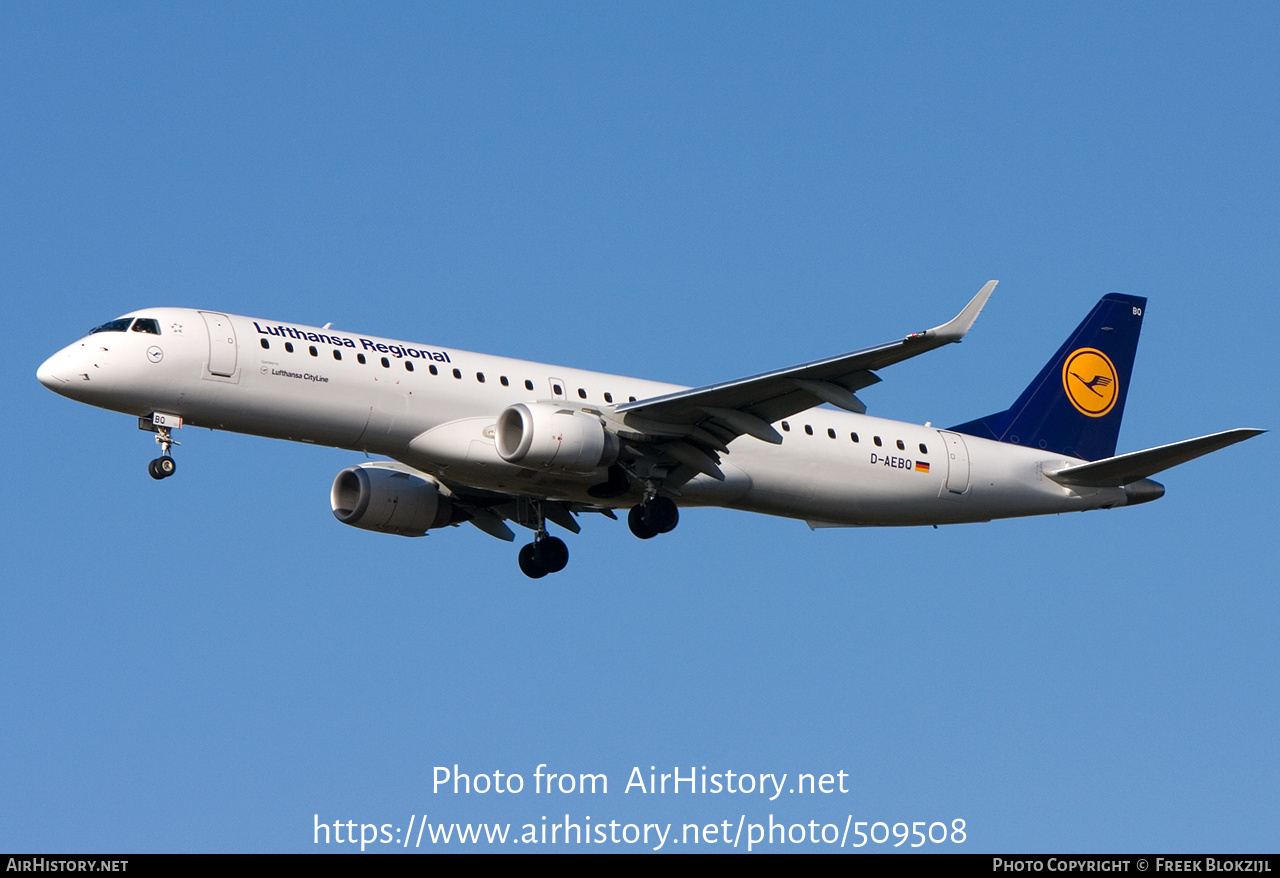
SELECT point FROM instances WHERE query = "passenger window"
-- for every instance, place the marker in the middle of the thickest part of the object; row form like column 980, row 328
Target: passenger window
column 337, row 354
column 433, row 370
column 831, row 433
column 786, row 428
column 386, row 364
column 457, row 374
column 288, row 346
column 923, row 450
column 528, row 385
column 360, row 359
column 314, row 352
column 876, row 439
column 266, row 345
column 480, row 377
column 503, row 381
column 582, row 394
column 901, row 447
column 808, row 429
column 853, row 436
column 557, row 389
column 631, row 398
column 608, row 397
column 408, row 366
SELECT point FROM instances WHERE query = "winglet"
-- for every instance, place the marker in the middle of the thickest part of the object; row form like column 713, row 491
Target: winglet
column 955, row 329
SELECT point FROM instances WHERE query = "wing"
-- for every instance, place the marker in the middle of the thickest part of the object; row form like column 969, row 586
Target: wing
column 667, row 440
column 714, row 415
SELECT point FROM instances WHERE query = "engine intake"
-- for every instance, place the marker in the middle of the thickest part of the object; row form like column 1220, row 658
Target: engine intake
column 388, row 500
column 546, row 436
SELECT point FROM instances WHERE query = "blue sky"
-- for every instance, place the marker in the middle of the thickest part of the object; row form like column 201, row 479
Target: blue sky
column 688, row 193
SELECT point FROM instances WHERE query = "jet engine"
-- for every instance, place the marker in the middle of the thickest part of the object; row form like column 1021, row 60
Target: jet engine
column 389, row 500
column 548, row 436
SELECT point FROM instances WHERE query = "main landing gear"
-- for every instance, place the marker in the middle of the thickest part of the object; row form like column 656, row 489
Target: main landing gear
column 657, row 515
column 546, row 554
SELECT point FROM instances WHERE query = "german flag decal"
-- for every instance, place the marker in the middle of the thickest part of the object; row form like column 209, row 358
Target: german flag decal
column 921, row 466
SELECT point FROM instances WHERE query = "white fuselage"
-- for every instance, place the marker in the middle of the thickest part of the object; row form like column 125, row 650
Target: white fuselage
column 435, row 409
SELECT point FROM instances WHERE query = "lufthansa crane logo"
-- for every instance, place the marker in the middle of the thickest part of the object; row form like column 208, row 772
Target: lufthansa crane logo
column 1090, row 379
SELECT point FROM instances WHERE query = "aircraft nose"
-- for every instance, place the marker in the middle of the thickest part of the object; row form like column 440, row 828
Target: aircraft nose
column 57, row 372
column 48, row 375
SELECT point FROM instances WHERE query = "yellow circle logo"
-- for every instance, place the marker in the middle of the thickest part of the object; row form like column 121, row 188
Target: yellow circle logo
column 1090, row 379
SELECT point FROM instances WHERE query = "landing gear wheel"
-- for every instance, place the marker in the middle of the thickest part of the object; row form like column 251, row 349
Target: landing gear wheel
column 640, row 527
column 164, row 465
column 661, row 514
column 529, row 565
column 551, row 554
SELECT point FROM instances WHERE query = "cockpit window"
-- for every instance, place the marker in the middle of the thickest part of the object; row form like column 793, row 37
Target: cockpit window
column 120, row 324
column 146, row 324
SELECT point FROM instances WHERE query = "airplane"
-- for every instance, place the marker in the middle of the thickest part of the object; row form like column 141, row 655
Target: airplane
column 487, row 440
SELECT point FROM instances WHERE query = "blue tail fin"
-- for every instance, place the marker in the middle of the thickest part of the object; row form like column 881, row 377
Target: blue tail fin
column 1074, row 405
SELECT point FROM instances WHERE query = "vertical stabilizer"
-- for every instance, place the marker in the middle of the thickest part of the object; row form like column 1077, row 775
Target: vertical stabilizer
column 1075, row 404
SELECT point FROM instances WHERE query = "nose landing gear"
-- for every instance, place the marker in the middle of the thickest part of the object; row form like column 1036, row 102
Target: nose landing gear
column 162, row 425
column 162, row 467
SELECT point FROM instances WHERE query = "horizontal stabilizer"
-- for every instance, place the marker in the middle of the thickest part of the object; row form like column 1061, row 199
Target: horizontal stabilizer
column 1127, row 468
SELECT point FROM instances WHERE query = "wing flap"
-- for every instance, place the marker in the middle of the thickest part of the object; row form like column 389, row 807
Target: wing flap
column 491, row 524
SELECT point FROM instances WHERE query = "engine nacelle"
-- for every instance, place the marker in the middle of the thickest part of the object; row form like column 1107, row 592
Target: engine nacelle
column 388, row 500
column 548, row 436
